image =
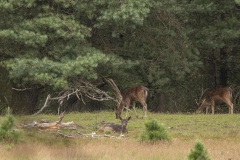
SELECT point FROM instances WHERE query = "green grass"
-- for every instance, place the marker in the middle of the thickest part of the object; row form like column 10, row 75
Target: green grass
column 184, row 126
column 215, row 131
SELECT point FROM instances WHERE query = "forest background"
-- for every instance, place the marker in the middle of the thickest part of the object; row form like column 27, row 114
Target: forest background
column 176, row 48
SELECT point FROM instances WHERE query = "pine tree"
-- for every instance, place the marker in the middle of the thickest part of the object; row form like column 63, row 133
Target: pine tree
column 198, row 153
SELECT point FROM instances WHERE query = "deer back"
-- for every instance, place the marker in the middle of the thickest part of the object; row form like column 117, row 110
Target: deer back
column 219, row 94
column 117, row 128
column 111, row 128
column 135, row 93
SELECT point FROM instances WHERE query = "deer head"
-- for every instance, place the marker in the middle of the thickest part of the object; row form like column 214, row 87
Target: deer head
column 117, row 128
column 124, row 123
column 131, row 95
column 222, row 95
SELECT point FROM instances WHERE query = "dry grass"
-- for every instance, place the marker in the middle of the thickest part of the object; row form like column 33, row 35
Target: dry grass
column 220, row 135
column 108, row 149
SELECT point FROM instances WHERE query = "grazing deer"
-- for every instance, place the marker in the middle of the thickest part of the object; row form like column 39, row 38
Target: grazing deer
column 117, row 128
column 222, row 95
column 133, row 94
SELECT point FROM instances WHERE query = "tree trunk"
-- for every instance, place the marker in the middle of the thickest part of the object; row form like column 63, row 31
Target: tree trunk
column 223, row 78
column 211, row 68
column 24, row 102
column 156, row 102
column 161, row 103
column 5, row 88
column 217, row 69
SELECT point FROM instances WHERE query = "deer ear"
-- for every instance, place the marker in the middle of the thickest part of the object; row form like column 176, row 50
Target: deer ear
column 129, row 118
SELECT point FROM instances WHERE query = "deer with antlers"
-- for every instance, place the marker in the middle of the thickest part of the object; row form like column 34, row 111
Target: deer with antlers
column 219, row 95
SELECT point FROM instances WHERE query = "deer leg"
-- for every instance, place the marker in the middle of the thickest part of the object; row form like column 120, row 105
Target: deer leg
column 207, row 109
column 127, row 107
column 134, row 108
column 145, row 110
column 127, row 103
column 230, row 106
column 144, row 104
column 212, row 106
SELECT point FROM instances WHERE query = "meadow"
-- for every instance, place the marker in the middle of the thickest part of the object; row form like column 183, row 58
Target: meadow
column 220, row 134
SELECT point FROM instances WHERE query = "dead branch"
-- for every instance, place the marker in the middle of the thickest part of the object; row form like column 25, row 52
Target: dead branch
column 115, row 89
column 47, row 102
column 64, row 135
column 60, row 118
column 93, row 92
column 89, row 135
column 95, row 135
column 79, row 89
column 20, row 90
column 51, row 125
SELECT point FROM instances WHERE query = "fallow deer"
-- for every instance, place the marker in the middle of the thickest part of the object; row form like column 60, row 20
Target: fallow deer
column 219, row 95
column 131, row 95
column 116, row 128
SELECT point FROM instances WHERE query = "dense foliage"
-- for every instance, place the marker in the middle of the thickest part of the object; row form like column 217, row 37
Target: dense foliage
column 175, row 48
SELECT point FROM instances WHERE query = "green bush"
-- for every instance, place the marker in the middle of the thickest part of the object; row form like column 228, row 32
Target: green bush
column 198, row 153
column 154, row 132
column 7, row 133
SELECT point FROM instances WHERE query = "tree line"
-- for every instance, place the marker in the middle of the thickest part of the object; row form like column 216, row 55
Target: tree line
column 175, row 48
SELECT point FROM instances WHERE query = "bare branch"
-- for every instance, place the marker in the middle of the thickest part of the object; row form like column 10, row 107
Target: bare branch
column 64, row 135
column 79, row 89
column 114, row 88
column 47, row 102
column 17, row 89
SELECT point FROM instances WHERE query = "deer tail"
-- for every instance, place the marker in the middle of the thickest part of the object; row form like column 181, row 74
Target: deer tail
column 146, row 90
column 231, row 92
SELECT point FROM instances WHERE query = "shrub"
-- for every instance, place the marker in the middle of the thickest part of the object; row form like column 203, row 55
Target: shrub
column 154, row 132
column 198, row 153
column 7, row 133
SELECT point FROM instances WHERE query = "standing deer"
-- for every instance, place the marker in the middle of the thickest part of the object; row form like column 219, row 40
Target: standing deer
column 133, row 94
column 221, row 95
column 117, row 128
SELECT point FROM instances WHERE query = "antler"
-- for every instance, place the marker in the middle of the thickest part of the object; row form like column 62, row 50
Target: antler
column 201, row 96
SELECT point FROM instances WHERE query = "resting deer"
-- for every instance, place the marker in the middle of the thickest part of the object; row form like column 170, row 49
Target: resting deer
column 133, row 94
column 222, row 95
column 117, row 128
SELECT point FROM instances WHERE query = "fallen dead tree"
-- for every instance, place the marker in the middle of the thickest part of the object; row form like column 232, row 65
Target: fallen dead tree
column 58, row 125
column 52, row 125
column 89, row 135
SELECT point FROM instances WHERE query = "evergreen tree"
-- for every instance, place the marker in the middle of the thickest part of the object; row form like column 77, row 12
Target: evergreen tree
column 174, row 48
column 213, row 28
column 48, row 43
column 198, row 153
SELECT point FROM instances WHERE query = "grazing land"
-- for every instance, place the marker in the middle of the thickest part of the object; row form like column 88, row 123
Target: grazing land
column 220, row 134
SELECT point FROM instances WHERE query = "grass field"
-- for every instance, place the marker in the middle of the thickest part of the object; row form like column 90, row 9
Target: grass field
column 220, row 134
